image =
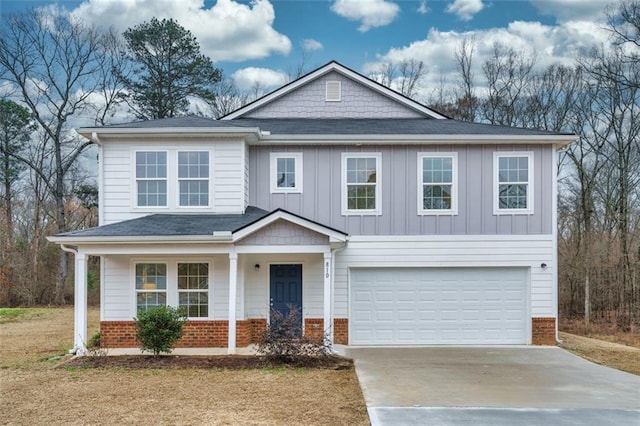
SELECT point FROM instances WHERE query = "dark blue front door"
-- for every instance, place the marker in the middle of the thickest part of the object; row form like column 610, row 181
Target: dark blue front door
column 286, row 289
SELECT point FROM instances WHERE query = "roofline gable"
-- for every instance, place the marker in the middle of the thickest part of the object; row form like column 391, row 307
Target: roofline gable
column 347, row 72
column 333, row 234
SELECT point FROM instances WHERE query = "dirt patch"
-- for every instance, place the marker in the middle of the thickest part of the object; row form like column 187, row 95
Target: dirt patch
column 229, row 362
column 621, row 357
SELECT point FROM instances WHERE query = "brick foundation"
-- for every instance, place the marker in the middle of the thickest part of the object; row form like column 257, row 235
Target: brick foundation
column 543, row 331
column 196, row 334
column 341, row 331
column 214, row 334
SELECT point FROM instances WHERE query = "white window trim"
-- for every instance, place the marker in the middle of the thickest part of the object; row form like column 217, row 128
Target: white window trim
column 273, row 172
column 135, row 180
column 326, row 91
column 172, row 282
column 371, row 212
column 530, row 188
column 454, row 184
column 135, row 262
column 178, row 179
column 209, row 287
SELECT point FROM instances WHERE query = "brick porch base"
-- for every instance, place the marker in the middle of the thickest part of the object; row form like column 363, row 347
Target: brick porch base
column 214, row 333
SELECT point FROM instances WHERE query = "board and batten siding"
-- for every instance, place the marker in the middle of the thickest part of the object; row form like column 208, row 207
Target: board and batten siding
column 321, row 197
column 356, row 101
column 228, row 177
column 454, row 252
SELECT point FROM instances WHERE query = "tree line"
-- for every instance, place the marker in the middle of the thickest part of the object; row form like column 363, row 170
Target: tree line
column 56, row 74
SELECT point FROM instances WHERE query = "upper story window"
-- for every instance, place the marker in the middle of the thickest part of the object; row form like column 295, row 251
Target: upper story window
column 151, row 178
column 151, row 285
column 513, row 183
column 193, row 178
column 437, row 183
column 286, row 172
column 361, row 183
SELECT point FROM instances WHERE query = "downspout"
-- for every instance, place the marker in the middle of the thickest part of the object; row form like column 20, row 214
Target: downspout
column 95, row 139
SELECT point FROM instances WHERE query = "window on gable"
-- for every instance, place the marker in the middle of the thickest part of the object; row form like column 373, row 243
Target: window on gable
column 193, row 289
column 193, row 178
column 513, row 183
column 437, row 189
column 286, row 172
column 151, row 178
column 361, row 187
column 333, row 91
column 151, row 285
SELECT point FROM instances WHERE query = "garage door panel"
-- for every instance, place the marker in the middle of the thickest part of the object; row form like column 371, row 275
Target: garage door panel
column 438, row 306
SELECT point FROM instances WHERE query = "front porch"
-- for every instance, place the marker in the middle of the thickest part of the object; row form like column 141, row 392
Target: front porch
column 230, row 295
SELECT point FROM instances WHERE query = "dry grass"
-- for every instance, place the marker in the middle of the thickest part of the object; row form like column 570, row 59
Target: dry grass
column 602, row 330
column 35, row 392
column 625, row 358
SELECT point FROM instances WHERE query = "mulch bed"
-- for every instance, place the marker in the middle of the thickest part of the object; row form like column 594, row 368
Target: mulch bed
column 229, row 362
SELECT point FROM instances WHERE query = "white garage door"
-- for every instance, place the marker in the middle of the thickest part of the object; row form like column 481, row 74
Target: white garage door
column 438, row 306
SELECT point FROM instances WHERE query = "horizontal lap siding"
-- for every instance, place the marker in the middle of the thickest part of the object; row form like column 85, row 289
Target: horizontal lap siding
column 228, row 177
column 472, row 251
column 117, row 296
column 320, row 199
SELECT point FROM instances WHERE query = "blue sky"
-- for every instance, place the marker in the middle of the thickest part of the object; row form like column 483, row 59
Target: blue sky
column 263, row 41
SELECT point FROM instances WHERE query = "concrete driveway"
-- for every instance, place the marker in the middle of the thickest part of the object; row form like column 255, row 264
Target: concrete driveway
column 493, row 385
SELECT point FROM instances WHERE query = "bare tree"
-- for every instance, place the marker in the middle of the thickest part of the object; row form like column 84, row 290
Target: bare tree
column 405, row 76
column 53, row 62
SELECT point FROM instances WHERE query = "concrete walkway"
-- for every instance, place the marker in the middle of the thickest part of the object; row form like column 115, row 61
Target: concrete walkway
column 493, row 385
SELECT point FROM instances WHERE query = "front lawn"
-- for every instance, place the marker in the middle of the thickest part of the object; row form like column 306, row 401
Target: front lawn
column 38, row 390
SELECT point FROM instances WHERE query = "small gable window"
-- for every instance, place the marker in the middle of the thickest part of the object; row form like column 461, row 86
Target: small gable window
column 286, row 172
column 151, row 178
column 333, row 91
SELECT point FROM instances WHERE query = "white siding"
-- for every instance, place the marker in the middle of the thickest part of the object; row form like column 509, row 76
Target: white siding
column 257, row 283
column 451, row 251
column 228, row 177
column 117, row 296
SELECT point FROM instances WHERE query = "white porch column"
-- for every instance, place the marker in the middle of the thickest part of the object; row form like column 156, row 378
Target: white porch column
column 80, row 304
column 328, row 279
column 233, row 296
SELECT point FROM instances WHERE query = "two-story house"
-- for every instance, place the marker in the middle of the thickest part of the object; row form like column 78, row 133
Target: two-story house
column 383, row 221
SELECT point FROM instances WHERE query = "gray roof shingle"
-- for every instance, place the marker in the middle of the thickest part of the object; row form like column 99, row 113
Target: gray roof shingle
column 173, row 225
column 341, row 126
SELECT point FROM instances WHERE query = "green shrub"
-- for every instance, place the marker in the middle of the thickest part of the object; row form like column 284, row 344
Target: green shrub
column 158, row 328
column 94, row 341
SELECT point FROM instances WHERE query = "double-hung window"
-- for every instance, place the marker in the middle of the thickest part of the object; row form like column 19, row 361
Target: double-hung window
column 193, row 178
column 286, row 172
column 151, row 285
column 513, row 183
column 437, row 183
column 193, row 288
column 361, row 183
column 151, row 178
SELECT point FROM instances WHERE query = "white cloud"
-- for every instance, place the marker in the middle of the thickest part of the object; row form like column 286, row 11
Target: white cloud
column 572, row 10
column 550, row 44
column 465, row 9
column 309, row 45
column 370, row 13
column 423, row 9
column 247, row 78
column 227, row 31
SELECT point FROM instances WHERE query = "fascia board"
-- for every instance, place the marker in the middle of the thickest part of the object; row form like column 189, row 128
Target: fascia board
column 151, row 239
column 559, row 140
